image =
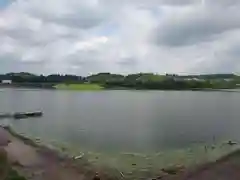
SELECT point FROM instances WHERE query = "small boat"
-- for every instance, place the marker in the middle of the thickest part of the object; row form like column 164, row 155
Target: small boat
column 23, row 115
column 231, row 143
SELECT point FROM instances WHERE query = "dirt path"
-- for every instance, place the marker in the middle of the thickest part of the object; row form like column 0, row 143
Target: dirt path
column 39, row 163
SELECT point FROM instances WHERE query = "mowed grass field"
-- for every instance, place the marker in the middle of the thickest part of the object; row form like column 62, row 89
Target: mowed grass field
column 80, row 87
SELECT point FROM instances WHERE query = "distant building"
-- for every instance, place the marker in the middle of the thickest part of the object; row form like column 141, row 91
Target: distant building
column 199, row 80
column 188, row 79
column 228, row 80
column 6, row 81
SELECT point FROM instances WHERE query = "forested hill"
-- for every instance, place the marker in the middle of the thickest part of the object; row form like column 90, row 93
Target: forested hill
column 136, row 81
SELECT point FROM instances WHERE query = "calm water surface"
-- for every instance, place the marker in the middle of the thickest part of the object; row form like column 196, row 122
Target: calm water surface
column 127, row 120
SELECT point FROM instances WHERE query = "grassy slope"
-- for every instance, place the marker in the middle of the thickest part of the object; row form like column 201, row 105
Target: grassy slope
column 82, row 87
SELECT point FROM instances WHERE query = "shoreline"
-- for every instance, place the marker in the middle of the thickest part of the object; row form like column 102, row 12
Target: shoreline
column 29, row 157
column 80, row 168
column 39, row 87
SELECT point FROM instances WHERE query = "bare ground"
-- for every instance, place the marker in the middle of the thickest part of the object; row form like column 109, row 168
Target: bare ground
column 40, row 163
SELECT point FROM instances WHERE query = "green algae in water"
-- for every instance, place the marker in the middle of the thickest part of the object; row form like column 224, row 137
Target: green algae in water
column 133, row 165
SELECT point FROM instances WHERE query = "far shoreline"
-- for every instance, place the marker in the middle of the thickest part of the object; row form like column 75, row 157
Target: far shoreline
column 50, row 86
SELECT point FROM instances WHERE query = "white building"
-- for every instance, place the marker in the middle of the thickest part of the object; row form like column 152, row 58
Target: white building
column 6, row 81
column 228, row 80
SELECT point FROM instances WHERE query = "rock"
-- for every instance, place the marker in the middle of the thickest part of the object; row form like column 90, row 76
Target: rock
column 213, row 147
column 96, row 177
column 79, row 157
column 63, row 149
column 17, row 163
column 173, row 170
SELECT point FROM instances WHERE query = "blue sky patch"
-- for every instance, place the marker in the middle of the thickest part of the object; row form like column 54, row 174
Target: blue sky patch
column 4, row 3
column 108, row 30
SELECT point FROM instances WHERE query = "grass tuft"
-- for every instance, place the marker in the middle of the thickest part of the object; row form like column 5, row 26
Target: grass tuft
column 81, row 87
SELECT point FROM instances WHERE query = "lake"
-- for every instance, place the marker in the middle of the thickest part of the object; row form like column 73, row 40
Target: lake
column 127, row 121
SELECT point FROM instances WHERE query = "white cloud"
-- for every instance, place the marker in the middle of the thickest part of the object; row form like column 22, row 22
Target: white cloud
column 90, row 44
column 127, row 36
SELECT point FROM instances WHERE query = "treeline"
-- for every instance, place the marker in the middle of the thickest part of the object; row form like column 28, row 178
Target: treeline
column 24, row 77
column 135, row 81
column 169, row 83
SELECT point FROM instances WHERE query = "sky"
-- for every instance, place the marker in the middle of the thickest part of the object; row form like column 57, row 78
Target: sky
column 119, row 36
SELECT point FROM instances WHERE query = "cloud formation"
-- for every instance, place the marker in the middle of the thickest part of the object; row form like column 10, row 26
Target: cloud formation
column 197, row 24
column 127, row 36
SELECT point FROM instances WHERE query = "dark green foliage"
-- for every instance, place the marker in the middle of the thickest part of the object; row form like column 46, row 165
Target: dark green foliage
column 13, row 175
column 211, row 76
column 102, row 78
column 31, row 78
column 132, row 81
column 3, row 164
column 6, row 171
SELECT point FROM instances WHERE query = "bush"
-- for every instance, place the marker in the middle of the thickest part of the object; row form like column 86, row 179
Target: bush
column 13, row 175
